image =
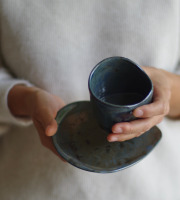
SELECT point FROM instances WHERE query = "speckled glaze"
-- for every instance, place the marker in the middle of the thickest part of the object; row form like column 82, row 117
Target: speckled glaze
column 117, row 75
column 82, row 142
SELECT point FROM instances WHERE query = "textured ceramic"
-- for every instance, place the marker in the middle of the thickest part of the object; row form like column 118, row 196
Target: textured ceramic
column 112, row 76
column 82, row 143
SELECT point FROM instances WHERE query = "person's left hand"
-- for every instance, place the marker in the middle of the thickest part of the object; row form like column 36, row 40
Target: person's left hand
column 148, row 115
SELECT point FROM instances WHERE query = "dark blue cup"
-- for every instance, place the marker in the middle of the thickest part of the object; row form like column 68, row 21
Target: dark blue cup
column 117, row 86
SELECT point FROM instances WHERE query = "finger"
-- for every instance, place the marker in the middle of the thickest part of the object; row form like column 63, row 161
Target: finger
column 45, row 140
column 47, row 121
column 160, row 106
column 51, row 128
column 114, row 137
column 137, row 126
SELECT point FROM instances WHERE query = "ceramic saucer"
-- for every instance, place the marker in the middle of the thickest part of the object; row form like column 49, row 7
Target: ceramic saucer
column 82, row 143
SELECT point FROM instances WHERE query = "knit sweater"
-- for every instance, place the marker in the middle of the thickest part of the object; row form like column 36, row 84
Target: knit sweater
column 54, row 45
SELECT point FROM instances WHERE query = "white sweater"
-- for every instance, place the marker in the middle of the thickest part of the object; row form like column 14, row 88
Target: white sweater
column 54, row 45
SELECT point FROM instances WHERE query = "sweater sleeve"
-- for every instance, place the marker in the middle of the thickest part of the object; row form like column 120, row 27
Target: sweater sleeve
column 177, row 69
column 6, row 83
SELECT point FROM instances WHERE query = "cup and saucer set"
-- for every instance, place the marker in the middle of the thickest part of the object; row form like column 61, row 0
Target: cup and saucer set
column 117, row 86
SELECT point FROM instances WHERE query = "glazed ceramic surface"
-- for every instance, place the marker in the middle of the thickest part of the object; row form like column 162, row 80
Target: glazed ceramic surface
column 114, row 76
column 82, row 143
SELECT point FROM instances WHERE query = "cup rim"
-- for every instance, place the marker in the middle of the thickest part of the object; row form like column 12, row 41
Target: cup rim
column 116, row 105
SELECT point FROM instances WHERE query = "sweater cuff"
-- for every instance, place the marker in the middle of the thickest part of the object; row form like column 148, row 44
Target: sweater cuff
column 177, row 69
column 5, row 114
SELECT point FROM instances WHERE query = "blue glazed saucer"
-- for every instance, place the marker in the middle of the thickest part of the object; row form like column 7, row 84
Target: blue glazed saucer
column 82, row 143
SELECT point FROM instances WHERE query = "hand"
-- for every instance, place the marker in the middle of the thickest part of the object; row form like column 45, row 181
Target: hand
column 41, row 106
column 149, row 115
column 44, row 110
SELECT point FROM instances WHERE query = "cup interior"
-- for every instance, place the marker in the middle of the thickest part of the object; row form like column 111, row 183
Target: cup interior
column 119, row 81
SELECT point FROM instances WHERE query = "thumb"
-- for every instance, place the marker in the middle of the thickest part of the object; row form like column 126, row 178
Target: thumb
column 51, row 128
column 48, row 122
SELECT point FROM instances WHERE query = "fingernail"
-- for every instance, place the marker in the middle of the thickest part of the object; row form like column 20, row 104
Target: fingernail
column 113, row 139
column 118, row 130
column 139, row 113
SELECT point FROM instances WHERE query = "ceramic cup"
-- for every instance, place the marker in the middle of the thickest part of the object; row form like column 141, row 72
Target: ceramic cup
column 117, row 86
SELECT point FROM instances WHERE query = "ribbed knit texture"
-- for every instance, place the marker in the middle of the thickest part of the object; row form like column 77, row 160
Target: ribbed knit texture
column 54, row 45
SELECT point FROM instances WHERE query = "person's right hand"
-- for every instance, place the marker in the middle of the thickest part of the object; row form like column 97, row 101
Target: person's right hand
column 41, row 106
